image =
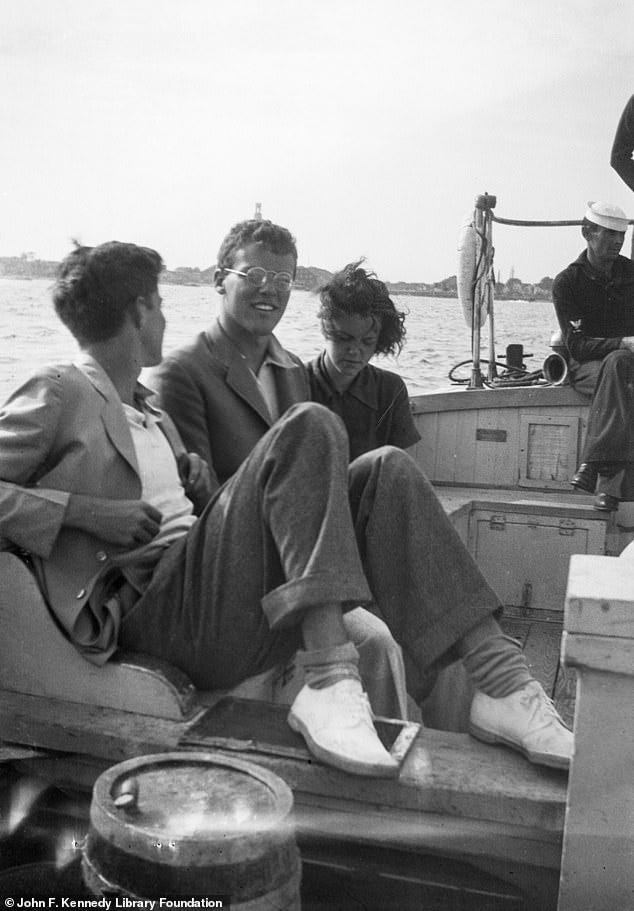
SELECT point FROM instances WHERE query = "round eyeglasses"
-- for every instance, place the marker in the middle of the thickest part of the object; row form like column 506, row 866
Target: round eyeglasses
column 257, row 277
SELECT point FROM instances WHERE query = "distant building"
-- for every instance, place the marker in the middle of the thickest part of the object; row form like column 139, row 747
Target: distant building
column 513, row 285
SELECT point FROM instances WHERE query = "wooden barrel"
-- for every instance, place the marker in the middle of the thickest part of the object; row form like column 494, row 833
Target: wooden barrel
column 193, row 824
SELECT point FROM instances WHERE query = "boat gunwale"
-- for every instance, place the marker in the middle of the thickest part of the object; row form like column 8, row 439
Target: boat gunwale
column 513, row 397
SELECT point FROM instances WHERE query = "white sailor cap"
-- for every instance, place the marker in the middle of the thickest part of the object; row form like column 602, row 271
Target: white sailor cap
column 606, row 215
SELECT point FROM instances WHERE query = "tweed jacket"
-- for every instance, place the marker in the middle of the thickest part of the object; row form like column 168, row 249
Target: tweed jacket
column 214, row 399
column 64, row 431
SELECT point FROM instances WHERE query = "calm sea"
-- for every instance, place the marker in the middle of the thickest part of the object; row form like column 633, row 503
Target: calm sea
column 437, row 336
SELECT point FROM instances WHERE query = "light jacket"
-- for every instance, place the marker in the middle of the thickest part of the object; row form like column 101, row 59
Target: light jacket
column 64, row 431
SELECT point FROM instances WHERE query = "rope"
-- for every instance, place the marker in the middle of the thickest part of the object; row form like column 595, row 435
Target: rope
column 512, row 376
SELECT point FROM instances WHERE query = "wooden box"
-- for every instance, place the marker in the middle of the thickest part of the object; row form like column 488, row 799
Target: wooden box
column 524, row 549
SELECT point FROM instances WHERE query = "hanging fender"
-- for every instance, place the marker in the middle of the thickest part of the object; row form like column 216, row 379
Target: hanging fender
column 471, row 275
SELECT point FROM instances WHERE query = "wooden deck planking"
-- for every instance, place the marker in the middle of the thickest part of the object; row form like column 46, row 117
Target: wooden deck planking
column 461, row 457
column 424, row 451
column 448, row 422
column 495, row 459
column 448, row 774
column 447, row 448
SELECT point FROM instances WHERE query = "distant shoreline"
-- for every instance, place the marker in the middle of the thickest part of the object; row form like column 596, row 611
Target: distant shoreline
column 308, row 278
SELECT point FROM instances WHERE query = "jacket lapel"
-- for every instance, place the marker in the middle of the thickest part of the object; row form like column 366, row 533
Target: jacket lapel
column 238, row 376
column 112, row 414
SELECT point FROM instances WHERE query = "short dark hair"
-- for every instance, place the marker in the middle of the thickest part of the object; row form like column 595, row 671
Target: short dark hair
column 354, row 292
column 96, row 287
column 255, row 231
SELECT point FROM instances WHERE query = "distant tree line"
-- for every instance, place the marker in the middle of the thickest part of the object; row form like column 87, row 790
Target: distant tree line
column 308, row 278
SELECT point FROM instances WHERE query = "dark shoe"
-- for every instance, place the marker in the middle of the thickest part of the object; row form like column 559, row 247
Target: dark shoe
column 585, row 477
column 605, row 502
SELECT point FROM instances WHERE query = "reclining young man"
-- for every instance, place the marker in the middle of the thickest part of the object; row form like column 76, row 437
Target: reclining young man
column 424, row 584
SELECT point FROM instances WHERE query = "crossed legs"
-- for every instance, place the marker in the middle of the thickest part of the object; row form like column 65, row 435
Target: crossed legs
column 281, row 552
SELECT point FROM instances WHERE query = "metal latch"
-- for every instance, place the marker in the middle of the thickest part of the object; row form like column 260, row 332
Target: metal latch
column 567, row 527
column 497, row 523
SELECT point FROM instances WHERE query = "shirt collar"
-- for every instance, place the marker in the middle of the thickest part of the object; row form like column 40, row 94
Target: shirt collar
column 618, row 269
column 275, row 353
column 92, row 367
column 363, row 387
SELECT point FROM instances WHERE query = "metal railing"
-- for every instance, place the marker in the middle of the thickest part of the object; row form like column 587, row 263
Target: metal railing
column 484, row 279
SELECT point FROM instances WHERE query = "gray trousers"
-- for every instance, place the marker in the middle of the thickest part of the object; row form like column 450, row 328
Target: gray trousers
column 297, row 527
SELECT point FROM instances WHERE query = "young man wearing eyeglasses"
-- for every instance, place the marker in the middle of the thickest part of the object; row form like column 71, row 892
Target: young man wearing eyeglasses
column 229, row 386
column 224, row 392
column 234, row 380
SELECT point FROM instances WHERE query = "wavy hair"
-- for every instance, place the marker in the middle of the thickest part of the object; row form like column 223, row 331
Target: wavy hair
column 355, row 292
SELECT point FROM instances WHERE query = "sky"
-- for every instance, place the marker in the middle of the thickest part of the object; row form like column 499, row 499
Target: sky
column 367, row 127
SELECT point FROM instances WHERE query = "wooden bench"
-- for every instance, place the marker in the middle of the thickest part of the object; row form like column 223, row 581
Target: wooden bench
column 37, row 659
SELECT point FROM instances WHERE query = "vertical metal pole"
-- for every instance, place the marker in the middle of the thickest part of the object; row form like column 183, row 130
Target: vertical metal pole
column 476, row 373
column 492, row 372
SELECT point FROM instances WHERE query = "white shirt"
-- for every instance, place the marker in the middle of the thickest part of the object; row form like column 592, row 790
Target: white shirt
column 161, row 487
column 275, row 356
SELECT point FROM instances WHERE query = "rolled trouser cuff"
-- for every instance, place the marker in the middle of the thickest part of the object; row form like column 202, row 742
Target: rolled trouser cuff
column 287, row 604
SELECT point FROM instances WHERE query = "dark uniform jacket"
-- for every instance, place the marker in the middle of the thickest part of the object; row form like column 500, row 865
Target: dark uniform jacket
column 594, row 311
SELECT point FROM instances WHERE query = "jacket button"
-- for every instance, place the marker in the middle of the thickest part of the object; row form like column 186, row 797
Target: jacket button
column 81, row 594
column 102, row 556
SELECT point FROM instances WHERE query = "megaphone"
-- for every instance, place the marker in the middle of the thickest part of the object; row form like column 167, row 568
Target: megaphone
column 555, row 367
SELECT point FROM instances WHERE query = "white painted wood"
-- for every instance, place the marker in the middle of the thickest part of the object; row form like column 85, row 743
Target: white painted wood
column 600, row 596
column 613, row 654
column 598, row 857
column 37, row 659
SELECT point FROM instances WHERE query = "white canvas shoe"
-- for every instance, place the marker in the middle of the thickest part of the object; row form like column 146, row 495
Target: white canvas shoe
column 527, row 721
column 336, row 723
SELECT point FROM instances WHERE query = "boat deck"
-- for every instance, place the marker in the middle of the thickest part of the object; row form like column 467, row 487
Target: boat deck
column 455, row 797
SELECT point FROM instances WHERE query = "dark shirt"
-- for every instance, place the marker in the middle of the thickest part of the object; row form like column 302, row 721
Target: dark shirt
column 375, row 407
column 595, row 311
column 621, row 157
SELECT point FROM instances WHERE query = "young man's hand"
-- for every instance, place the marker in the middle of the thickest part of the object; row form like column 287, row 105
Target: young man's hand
column 125, row 523
column 195, row 478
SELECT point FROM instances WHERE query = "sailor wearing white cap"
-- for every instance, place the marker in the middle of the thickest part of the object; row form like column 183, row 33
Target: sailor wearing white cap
column 594, row 300
column 607, row 216
column 604, row 227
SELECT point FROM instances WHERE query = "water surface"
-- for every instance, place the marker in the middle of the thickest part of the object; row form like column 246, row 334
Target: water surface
column 437, row 335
